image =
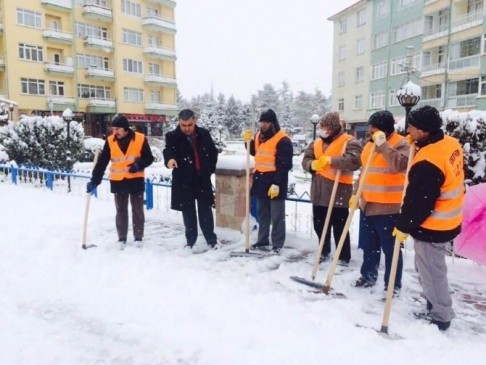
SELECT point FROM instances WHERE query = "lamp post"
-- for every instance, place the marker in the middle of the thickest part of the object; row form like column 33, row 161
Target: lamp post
column 314, row 120
column 409, row 96
column 67, row 115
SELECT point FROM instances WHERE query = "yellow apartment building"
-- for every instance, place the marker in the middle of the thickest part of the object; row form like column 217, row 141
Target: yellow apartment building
column 96, row 57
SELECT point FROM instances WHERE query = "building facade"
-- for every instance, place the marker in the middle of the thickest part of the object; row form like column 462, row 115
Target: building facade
column 96, row 57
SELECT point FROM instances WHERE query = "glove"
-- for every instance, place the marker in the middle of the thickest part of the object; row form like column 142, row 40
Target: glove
column 91, row 189
column 321, row 163
column 410, row 139
column 353, row 201
column 400, row 235
column 273, row 191
column 379, row 138
column 247, row 136
column 134, row 168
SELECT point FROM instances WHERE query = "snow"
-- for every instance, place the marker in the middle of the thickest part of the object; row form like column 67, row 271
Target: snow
column 410, row 89
column 164, row 305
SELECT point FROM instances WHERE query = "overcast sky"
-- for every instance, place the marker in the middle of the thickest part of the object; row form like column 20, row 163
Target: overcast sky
column 238, row 46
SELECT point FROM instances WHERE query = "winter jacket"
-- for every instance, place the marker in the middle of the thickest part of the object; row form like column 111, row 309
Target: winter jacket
column 189, row 184
column 125, row 186
column 283, row 163
column 321, row 187
column 425, row 181
column 396, row 159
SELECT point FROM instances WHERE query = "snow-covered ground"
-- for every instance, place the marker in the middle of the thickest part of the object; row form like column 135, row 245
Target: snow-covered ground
column 163, row 305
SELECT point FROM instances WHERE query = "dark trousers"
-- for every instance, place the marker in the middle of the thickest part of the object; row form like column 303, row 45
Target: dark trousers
column 271, row 211
column 206, row 222
column 338, row 220
column 376, row 235
column 138, row 214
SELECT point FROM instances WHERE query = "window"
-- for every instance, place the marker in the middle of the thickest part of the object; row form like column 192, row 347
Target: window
column 341, row 78
column 132, row 66
column 155, row 69
column 483, row 85
column 153, row 41
column 358, row 102
column 407, row 30
column 131, row 8
column 406, row 2
column 86, row 60
column 378, row 70
column 32, row 86
column 152, row 12
column 360, row 46
column 377, row 100
column 379, row 40
column 359, row 74
column 155, row 96
column 382, row 8
column 131, row 37
column 474, row 6
column 95, row 92
column 343, row 25
column 131, row 94
column 56, row 88
column 341, row 104
column 31, row 53
column 393, row 100
column 29, row 18
column 469, row 47
column 342, row 52
column 361, row 17
column 464, row 87
column 83, row 30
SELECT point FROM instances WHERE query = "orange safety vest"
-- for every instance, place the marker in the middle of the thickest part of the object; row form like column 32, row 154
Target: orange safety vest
column 382, row 185
column 334, row 149
column 120, row 162
column 448, row 156
column 266, row 152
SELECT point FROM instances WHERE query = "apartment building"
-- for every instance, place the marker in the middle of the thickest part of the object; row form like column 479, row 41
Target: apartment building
column 446, row 40
column 96, row 57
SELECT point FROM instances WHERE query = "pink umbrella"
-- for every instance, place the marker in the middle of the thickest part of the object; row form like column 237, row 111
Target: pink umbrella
column 471, row 243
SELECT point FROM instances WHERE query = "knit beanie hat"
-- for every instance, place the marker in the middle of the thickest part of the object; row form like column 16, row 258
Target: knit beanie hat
column 425, row 118
column 120, row 121
column 268, row 116
column 331, row 120
column 383, row 120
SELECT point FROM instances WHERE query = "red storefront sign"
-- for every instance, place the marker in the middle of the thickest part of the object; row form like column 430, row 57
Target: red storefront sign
column 145, row 118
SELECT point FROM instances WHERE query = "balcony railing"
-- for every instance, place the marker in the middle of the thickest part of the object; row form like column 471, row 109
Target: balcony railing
column 467, row 21
column 102, row 13
column 435, row 32
column 56, row 35
column 59, row 68
column 461, row 100
column 160, row 53
column 158, row 24
column 436, row 103
column 94, row 101
column 433, row 69
column 102, row 44
column 167, row 3
column 100, row 73
column 61, row 5
column 160, row 80
column 59, row 101
column 465, row 62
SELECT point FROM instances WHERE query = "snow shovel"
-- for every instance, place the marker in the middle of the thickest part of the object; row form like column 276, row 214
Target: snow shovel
column 88, row 197
column 396, row 253
column 247, row 253
column 327, row 285
column 324, row 230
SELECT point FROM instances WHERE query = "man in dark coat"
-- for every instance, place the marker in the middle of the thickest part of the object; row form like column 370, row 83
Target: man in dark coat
column 273, row 153
column 129, row 153
column 191, row 153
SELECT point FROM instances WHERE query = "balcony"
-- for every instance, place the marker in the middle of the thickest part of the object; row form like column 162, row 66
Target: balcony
column 160, row 108
column 62, row 69
column 464, row 63
column 159, row 80
column 434, row 33
column 157, row 24
column 60, row 102
column 160, row 53
column 94, row 72
column 58, row 5
column 167, row 3
column 100, row 44
column 101, row 105
column 436, row 103
column 96, row 12
column 2, row 63
column 58, row 36
column 467, row 21
column 433, row 69
column 460, row 101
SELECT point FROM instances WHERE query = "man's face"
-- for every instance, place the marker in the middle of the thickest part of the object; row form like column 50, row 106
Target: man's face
column 265, row 126
column 119, row 132
column 417, row 134
column 187, row 126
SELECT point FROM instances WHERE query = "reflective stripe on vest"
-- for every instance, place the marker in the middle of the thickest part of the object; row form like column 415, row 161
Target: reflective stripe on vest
column 266, row 152
column 334, row 149
column 448, row 156
column 381, row 185
column 120, row 163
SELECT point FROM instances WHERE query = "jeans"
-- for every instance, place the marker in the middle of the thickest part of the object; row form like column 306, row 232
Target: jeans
column 206, row 222
column 376, row 235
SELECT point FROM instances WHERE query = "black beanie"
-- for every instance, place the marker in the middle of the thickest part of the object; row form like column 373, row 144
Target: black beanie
column 383, row 120
column 120, row 121
column 425, row 118
column 268, row 116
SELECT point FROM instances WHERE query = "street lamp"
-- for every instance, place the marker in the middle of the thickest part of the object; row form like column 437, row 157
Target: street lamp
column 220, row 127
column 314, row 120
column 67, row 115
column 409, row 96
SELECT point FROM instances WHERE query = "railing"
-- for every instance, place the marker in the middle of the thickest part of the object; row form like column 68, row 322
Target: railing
column 436, row 103
column 465, row 62
column 435, row 30
column 433, row 69
column 461, row 100
column 467, row 21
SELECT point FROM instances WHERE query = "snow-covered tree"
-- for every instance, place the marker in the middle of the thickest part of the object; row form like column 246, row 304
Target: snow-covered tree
column 233, row 116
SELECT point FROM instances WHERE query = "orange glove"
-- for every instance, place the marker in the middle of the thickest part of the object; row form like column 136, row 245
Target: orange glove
column 247, row 136
column 321, row 163
column 353, row 201
column 273, row 191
